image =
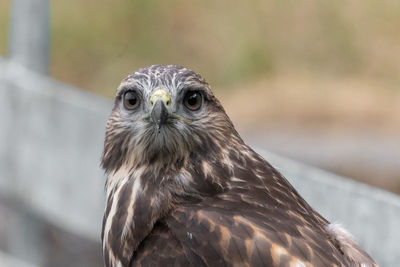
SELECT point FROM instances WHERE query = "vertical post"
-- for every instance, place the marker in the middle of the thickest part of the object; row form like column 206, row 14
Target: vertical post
column 29, row 34
column 29, row 46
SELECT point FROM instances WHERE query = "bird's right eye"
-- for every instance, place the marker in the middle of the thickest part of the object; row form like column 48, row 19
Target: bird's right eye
column 131, row 100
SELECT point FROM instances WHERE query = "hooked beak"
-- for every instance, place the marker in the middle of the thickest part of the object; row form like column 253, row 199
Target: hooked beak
column 160, row 102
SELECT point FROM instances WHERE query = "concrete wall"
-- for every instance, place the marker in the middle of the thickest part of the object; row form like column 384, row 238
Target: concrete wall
column 51, row 139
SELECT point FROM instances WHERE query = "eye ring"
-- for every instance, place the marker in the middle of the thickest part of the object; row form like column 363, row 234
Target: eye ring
column 131, row 100
column 193, row 100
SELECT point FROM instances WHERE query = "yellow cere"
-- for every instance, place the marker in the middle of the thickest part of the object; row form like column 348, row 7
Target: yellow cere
column 162, row 95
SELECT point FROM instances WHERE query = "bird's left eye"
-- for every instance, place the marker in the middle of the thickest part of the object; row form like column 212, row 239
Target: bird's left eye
column 193, row 100
column 131, row 100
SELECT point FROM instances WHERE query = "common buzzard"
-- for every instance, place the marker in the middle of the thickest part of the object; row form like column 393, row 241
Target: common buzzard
column 183, row 189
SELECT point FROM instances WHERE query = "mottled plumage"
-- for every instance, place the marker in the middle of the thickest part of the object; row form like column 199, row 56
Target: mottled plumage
column 184, row 190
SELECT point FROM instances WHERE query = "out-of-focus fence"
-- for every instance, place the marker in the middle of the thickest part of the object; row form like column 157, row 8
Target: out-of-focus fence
column 52, row 189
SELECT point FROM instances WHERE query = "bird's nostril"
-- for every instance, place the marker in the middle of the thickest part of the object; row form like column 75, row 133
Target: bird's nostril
column 168, row 102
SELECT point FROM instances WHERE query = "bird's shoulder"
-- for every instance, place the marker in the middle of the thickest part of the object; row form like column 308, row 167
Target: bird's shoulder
column 220, row 232
column 259, row 221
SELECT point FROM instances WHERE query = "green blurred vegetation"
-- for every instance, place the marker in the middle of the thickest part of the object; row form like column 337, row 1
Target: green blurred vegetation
column 95, row 43
column 4, row 26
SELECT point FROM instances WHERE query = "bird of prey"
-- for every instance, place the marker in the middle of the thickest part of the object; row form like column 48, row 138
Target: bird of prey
column 183, row 189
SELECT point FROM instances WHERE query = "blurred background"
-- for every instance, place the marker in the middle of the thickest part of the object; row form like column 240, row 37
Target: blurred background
column 315, row 81
column 318, row 81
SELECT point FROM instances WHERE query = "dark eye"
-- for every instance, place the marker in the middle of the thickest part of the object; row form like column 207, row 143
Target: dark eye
column 193, row 100
column 131, row 100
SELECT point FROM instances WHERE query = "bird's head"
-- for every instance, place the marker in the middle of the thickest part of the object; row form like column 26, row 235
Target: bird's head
column 162, row 115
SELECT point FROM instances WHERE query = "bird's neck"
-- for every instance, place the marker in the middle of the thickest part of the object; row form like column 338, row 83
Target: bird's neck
column 138, row 197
